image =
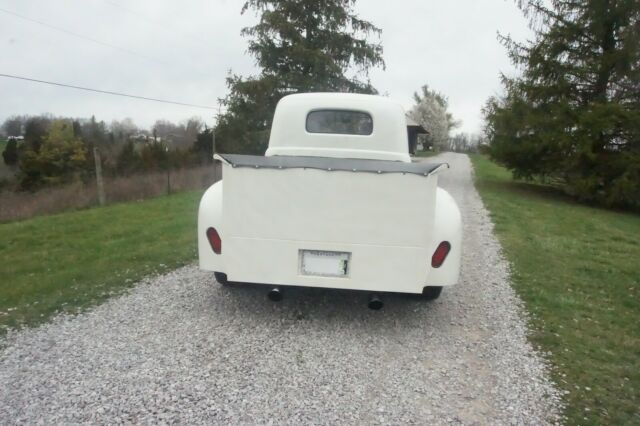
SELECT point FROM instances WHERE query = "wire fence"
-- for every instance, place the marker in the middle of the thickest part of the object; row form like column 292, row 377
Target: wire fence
column 79, row 195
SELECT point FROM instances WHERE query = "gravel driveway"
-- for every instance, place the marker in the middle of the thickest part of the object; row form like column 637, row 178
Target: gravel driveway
column 180, row 348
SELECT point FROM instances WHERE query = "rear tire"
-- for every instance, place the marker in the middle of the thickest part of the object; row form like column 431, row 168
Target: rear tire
column 221, row 277
column 431, row 293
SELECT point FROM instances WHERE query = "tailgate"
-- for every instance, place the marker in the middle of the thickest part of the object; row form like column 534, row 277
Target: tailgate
column 270, row 215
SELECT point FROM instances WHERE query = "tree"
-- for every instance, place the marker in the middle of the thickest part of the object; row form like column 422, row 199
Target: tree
column 128, row 160
column 154, row 156
column 61, row 157
column 192, row 129
column 13, row 126
column 203, row 146
column 460, row 143
column 10, row 153
column 36, row 129
column 165, row 128
column 121, row 130
column 431, row 112
column 94, row 132
column 300, row 46
column 574, row 113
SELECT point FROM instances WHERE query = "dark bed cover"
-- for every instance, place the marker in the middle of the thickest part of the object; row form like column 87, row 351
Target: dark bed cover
column 331, row 164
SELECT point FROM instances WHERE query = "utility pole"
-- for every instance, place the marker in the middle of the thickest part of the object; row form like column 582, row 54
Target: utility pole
column 216, row 163
column 99, row 182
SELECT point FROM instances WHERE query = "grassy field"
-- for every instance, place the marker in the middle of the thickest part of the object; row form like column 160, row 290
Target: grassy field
column 70, row 261
column 578, row 270
column 426, row 153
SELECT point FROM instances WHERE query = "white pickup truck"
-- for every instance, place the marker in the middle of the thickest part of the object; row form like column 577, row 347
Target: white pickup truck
column 335, row 203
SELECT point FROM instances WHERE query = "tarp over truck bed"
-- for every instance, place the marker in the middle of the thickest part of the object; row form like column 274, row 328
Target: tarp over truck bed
column 273, row 208
column 330, row 164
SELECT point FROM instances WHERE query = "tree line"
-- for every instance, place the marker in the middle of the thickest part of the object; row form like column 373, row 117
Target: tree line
column 310, row 46
column 56, row 150
column 299, row 46
column 572, row 115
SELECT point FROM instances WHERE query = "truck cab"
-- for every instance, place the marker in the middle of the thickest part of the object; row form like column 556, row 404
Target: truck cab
column 335, row 202
column 339, row 125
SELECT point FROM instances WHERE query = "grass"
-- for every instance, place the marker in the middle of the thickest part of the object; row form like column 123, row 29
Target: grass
column 70, row 261
column 426, row 153
column 578, row 270
column 17, row 205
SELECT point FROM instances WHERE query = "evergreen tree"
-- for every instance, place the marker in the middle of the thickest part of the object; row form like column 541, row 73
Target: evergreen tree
column 203, row 147
column 128, row 160
column 61, row 157
column 574, row 113
column 10, row 153
column 36, row 129
column 300, row 46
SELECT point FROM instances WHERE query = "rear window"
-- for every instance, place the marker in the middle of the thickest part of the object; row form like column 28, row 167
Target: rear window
column 339, row 122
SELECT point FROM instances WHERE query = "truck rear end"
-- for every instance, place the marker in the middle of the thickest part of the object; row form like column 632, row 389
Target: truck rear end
column 340, row 224
column 335, row 202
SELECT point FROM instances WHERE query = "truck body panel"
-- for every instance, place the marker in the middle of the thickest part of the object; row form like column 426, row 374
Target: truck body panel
column 345, row 211
column 268, row 216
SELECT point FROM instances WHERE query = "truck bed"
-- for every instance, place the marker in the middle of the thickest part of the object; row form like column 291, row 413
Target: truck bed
column 380, row 213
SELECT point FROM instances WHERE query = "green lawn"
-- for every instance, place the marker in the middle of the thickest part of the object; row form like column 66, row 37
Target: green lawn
column 578, row 270
column 69, row 261
column 426, row 153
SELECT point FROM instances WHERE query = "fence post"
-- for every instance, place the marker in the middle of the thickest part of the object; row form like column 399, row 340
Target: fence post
column 99, row 182
column 169, row 180
column 168, row 164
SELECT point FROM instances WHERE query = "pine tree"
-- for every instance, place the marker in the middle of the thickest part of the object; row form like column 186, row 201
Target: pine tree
column 10, row 153
column 202, row 148
column 574, row 113
column 61, row 157
column 300, row 46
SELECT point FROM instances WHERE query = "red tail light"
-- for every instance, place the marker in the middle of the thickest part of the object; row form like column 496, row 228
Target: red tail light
column 440, row 254
column 214, row 240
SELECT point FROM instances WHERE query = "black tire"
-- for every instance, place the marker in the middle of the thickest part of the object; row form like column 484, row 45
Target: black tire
column 221, row 277
column 431, row 293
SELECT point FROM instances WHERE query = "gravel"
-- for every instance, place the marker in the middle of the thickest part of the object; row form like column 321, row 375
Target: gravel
column 181, row 349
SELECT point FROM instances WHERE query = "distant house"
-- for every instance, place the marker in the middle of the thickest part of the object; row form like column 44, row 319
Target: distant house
column 140, row 138
column 15, row 138
column 413, row 130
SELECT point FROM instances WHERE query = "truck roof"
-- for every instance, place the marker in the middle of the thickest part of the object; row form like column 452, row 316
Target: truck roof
column 382, row 134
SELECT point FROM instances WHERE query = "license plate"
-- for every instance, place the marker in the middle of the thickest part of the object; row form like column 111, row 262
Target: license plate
column 325, row 263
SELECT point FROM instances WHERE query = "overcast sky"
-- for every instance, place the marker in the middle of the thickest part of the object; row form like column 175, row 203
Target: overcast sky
column 182, row 51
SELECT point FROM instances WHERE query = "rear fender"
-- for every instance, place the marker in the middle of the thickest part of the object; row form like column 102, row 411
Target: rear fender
column 447, row 227
column 210, row 215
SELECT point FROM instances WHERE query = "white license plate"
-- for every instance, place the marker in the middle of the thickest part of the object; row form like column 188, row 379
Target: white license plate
column 325, row 263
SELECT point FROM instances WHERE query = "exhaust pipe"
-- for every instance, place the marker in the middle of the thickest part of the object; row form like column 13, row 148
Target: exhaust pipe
column 375, row 303
column 275, row 294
